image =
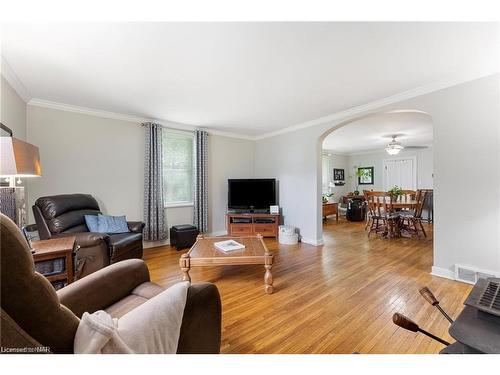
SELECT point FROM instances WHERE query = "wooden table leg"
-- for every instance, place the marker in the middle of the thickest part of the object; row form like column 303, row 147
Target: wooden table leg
column 185, row 264
column 268, row 277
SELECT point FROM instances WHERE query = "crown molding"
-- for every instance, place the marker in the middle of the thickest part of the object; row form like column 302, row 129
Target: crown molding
column 342, row 115
column 377, row 104
column 222, row 133
column 129, row 118
column 14, row 81
column 88, row 111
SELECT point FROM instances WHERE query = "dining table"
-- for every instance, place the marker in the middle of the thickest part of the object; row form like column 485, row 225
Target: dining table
column 409, row 204
column 398, row 205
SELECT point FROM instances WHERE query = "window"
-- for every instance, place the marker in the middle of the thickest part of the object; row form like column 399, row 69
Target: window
column 178, row 155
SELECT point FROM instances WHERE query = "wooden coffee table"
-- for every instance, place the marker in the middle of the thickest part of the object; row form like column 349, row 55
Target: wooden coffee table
column 204, row 253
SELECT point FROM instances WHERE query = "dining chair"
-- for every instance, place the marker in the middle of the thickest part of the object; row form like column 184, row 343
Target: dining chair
column 368, row 213
column 383, row 217
column 412, row 220
column 428, row 209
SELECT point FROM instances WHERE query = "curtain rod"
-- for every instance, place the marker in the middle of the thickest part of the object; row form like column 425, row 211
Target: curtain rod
column 169, row 127
column 174, row 128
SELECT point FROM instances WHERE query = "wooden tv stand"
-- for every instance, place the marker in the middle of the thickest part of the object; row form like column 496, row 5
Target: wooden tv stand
column 251, row 224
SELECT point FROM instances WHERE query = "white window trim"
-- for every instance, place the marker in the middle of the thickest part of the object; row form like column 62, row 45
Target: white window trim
column 179, row 204
column 178, row 131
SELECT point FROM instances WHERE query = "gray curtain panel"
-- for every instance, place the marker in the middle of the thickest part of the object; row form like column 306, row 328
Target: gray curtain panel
column 201, row 181
column 154, row 210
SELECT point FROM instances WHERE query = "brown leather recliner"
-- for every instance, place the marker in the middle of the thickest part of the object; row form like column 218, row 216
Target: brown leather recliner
column 34, row 316
column 63, row 215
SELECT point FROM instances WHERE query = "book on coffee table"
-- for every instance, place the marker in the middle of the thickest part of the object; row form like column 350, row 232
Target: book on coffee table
column 229, row 245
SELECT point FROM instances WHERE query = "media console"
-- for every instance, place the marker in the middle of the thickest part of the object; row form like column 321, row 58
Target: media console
column 251, row 224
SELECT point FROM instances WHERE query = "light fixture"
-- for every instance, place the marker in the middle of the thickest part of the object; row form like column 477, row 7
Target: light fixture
column 19, row 159
column 393, row 147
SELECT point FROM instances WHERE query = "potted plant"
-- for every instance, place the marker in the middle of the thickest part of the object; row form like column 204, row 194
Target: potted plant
column 395, row 192
column 326, row 197
column 358, row 173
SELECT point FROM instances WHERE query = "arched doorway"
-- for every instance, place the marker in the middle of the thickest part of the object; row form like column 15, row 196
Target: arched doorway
column 360, row 143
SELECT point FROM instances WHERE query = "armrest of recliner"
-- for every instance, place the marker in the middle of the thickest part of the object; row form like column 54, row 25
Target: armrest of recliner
column 86, row 239
column 105, row 287
column 201, row 323
column 135, row 226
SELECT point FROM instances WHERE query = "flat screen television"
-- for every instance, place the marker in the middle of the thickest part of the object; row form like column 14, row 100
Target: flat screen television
column 251, row 194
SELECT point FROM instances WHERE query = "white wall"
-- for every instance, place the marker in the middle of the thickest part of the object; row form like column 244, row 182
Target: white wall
column 466, row 172
column 12, row 110
column 289, row 159
column 228, row 158
column 339, row 162
column 88, row 154
column 425, row 167
column 350, row 162
column 105, row 157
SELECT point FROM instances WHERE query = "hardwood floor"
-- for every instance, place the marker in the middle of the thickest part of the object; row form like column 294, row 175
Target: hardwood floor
column 338, row 298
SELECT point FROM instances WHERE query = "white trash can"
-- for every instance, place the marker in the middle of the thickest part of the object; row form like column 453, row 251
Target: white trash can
column 287, row 235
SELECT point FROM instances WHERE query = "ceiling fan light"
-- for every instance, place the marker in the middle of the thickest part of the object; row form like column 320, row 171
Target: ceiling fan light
column 392, row 151
column 394, row 147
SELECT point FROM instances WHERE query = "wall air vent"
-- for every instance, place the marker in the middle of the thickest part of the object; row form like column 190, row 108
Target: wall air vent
column 470, row 275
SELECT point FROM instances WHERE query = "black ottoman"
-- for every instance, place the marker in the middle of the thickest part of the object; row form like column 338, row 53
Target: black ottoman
column 356, row 210
column 182, row 236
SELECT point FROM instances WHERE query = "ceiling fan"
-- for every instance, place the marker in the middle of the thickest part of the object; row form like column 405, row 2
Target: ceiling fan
column 394, row 147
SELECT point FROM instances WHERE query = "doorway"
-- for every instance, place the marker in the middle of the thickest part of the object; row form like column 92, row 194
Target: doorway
column 400, row 172
column 363, row 144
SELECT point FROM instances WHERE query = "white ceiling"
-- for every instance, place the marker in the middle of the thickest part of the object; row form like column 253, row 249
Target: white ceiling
column 374, row 132
column 245, row 78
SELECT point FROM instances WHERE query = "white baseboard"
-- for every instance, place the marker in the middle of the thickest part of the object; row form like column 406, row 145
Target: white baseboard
column 318, row 242
column 151, row 244
column 443, row 272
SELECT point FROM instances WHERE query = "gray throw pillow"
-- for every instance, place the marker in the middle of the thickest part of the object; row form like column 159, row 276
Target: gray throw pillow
column 91, row 221
column 112, row 224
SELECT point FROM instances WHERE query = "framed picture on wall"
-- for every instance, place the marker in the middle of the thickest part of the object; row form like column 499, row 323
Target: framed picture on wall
column 365, row 176
column 338, row 174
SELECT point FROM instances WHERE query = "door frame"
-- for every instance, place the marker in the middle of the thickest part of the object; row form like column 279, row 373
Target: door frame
column 415, row 168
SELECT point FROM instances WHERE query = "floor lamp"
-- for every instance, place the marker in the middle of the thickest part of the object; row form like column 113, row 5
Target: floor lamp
column 19, row 159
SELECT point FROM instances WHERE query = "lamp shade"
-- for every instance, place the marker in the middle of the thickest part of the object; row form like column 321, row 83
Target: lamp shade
column 19, row 158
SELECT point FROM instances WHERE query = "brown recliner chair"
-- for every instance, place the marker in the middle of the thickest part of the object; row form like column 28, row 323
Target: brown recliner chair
column 63, row 215
column 33, row 315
